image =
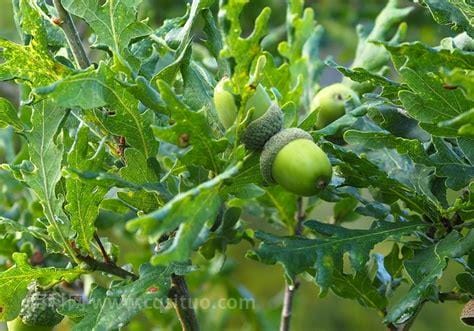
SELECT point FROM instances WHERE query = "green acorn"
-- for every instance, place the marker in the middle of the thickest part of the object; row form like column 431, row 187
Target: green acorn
column 259, row 101
column 225, row 103
column 330, row 101
column 39, row 308
column 266, row 120
column 18, row 325
column 292, row 159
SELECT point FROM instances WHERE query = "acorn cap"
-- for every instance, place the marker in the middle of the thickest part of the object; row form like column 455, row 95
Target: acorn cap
column 39, row 307
column 259, row 131
column 467, row 314
column 274, row 145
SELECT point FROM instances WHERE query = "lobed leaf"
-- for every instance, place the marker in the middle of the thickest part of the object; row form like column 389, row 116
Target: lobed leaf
column 325, row 255
column 15, row 280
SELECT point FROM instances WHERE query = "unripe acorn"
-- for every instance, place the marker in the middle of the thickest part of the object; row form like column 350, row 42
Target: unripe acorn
column 225, row 103
column 330, row 101
column 39, row 308
column 266, row 120
column 292, row 159
column 18, row 325
column 259, row 101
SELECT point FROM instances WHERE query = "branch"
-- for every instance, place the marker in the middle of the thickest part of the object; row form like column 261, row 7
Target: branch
column 179, row 295
column 72, row 36
column 110, row 268
column 290, row 289
column 452, row 296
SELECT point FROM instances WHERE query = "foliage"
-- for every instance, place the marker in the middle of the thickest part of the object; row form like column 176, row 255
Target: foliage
column 130, row 147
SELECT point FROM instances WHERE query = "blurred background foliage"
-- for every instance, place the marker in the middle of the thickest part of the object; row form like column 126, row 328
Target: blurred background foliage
column 236, row 276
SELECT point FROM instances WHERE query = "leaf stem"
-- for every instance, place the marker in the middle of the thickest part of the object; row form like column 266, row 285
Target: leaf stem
column 290, row 288
column 179, row 295
column 72, row 36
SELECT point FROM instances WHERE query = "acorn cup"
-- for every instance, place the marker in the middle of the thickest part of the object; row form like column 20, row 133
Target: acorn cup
column 260, row 130
column 467, row 314
column 39, row 307
column 292, row 159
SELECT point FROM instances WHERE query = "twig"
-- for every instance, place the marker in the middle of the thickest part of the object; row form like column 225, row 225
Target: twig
column 290, row 289
column 110, row 268
column 286, row 312
column 72, row 36
column 451, row 296
column 102, row 249
column 300, row 216
column 179, row 295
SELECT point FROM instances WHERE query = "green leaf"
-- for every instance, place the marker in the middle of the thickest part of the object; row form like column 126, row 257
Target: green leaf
column 428, row 101
column 188, row 213
column 191, row 129
column 425, row 269
column 456, row 13
column 180, row 59
column 198, row 86
column 301, row 49
column 325, row 255
column 463, row 78
column 43, row 171
column 466, row 282
column 110, row 309
column 411, row 187
column 242, row 50
column 371, row 81
column 247, row 178
column 9, row 116
column 8, row 226
column 144, row 174
column 114, row 22
column 33, row 63
column 464, row 123
column 14, row 283
column 458, row 173
column 282, row 203
column 99, row 88
column 370, row 55
column 358, row 287
column 83, row 198
column 377, row 140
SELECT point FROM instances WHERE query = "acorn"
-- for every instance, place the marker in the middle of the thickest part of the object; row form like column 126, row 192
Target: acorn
column 292, row 159
column 467, row 314
column 224, row 103
column 18, row 325
column 259, row 101
column 266, row 120
column 330, row 102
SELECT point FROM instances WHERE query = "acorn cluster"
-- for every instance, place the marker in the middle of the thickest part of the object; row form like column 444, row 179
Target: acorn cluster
column 289, row 157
